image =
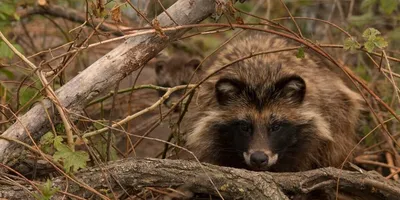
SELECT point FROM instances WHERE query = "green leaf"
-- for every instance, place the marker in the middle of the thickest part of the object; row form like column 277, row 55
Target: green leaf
column 388, row 6
column 369, row 46
column 46, row 142
column 59, row 145
column 380, row 42
column 373, row 39
column 47, row 138
column 350, row 44
column 47, row 191
column 370, row 33
column 60, row 128
column 71, row 159
column 300, row 53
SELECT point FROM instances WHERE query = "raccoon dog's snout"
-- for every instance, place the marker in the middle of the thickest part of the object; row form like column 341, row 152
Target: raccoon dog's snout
column 258, row 159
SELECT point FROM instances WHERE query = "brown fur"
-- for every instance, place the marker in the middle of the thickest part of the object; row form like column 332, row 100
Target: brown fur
column 328, row 104
column 177, row 70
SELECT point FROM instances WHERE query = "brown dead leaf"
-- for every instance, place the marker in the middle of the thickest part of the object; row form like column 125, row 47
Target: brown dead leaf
column 94, row 10
column 116, row 14
column 100, row 5
column 239, row 20
column 156, row 25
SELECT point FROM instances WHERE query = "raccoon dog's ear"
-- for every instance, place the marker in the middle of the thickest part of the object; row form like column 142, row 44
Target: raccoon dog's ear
column 193, row 63
column 159, row 66
column 291, row 88
column 228, row 89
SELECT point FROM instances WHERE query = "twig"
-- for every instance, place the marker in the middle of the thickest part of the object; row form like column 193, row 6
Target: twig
column 66, row 13
column 50, row 93
column 162, row 6
column 380, row 143
column 140, row 13
column 291, row 16
column 370, row 162
column 392, row 168
column 168, row 29
column 270, row 22
column 109, row 136
column 50, row 160
column 395, row 87
column 149, row 86
column 314, row 19
column 131, row 117
column 22, row 176
column 351, row 6
column 393, row 174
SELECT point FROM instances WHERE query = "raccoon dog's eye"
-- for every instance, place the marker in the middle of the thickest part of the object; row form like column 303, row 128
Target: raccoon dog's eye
column 245, row 127
column 276, row 127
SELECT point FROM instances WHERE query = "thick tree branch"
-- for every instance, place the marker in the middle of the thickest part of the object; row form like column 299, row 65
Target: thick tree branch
column 232, row 183
column 105, row 72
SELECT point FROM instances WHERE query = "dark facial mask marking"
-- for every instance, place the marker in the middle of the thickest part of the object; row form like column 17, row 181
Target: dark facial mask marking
column 290, row 90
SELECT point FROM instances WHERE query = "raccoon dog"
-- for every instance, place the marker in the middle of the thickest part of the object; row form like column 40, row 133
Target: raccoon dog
column 175, row 71
column 273, row 111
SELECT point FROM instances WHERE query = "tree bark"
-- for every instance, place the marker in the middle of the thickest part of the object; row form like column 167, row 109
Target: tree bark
column 105, row 72
column 232, row 183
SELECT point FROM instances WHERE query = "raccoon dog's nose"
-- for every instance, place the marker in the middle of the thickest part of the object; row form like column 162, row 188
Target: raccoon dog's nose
column 258, row 159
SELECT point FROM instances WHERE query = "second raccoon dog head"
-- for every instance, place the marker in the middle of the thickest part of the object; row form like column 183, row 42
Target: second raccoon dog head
column 260, row 134
column 176, row 71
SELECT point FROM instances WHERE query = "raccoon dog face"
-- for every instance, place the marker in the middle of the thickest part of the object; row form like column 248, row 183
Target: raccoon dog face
column 260, row 136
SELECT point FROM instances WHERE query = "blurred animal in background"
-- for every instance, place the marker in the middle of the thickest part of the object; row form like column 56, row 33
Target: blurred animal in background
column 179, row 69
